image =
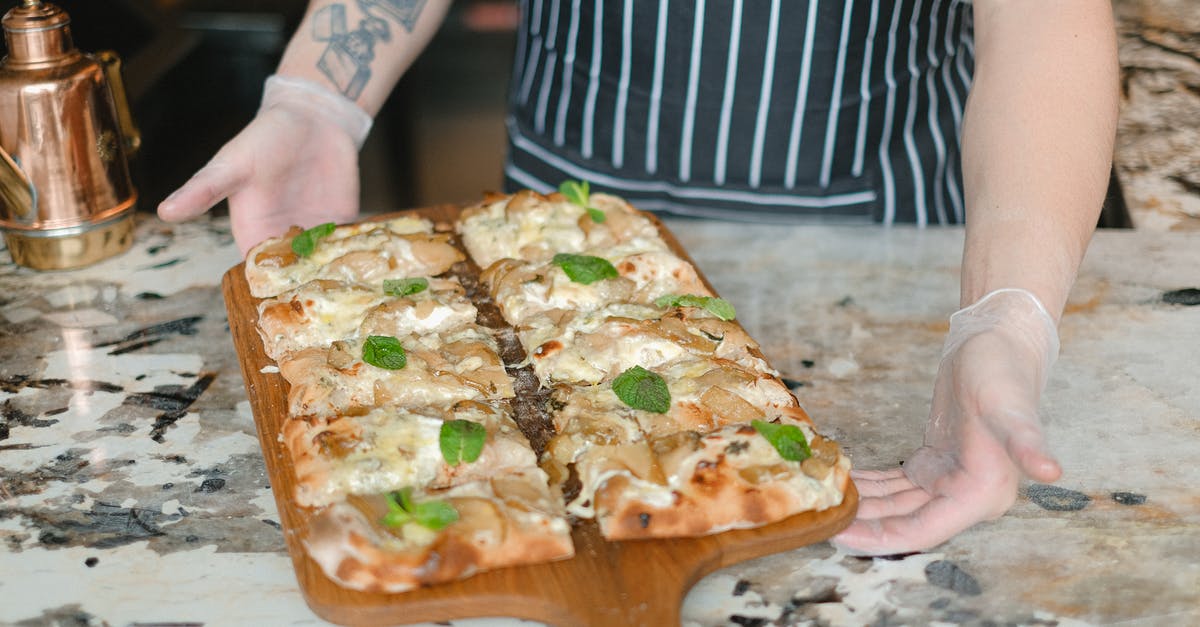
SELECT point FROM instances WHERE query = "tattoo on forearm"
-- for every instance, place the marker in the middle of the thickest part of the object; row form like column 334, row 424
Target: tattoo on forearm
column 348, row 53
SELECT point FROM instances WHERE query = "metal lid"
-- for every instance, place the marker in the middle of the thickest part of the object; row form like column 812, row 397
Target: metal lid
column 37, row 32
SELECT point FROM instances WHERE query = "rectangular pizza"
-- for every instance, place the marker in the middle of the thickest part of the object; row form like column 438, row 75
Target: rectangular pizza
column 460, row 395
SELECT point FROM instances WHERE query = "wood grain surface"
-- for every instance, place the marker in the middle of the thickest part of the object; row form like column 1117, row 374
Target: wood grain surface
column 606, row 584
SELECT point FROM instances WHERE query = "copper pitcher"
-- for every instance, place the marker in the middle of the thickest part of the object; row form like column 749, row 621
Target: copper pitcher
column 66, row 198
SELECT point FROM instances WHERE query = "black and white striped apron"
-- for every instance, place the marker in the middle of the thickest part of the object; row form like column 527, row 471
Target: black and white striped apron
column 748, row 109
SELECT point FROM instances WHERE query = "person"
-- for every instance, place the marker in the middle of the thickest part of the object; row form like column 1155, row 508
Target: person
column 997, row 114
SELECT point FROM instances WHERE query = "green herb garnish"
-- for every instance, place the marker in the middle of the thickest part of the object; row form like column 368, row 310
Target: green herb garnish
column 461, row 441
column 718, row 307
column 305, row 243
column 585, row 268
column 789, row 440
column 577, row 192
column 405, row 287
column 641, row 389
column 384, row 351
column 435, row 515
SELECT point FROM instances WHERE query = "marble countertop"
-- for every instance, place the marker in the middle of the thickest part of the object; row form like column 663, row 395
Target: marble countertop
column 1157, row 158
column 133, row 492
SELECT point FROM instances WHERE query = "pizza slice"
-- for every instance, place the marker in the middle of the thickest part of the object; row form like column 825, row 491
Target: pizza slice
column 412, row 371
column 642, row 474
column 704, row 483
column 389, row 448
column 321, row 311
column 402, row 540
column 534, row 227
column 589, row 349
column 365, row 253
column 580, row 283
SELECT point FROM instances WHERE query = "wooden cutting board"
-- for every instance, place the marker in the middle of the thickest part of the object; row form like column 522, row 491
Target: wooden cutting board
column 606, row 584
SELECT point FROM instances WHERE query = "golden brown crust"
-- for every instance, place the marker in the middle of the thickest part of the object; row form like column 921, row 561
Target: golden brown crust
column 498, row 526
column 723, row 505
column 712, row 487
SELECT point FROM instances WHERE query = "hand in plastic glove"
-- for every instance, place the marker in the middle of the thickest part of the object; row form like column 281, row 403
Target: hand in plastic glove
column 983, row 432
column 295, row 163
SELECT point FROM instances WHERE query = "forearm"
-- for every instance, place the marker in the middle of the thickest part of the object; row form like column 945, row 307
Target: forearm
column 1037, row 143
column 360, row 54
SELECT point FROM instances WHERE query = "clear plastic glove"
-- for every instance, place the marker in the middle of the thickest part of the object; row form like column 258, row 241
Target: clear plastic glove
column 983, row 434
column 296, row 162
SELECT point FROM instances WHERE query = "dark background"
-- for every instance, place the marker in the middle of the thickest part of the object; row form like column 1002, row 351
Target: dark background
column 194, row 71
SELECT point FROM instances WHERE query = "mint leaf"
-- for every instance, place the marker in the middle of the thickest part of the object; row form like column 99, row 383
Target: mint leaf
column 575, row 191
column 405, row 287
column 578, row 193
column 641, row 389
column 435, row 515
column 789, row 440
column 396, row 519
column 305, row 243
column 585, row 268
column 718, row 307
column 461, row 441
column 384, row 351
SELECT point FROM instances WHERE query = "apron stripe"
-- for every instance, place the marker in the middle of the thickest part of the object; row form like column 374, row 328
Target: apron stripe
column 548, row 74
column 731, row 71
column 568, row 77
column 835, row 104
column 885, row 163
column 689, row 119
column 910, row 114
column 589, row 107
column 660, row 44
column 864, row 93
column 618, row 151
column 810, row 24
column 764, row 97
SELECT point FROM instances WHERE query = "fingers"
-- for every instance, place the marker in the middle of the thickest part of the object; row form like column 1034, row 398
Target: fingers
column 924, row 528
column 1021, row 435
column 212, row 184
column 871, row 483
column 899, row 503
column 1034, row 461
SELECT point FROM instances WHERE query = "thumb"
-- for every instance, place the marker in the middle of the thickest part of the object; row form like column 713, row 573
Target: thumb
column 1022, row 437
column 212, row 184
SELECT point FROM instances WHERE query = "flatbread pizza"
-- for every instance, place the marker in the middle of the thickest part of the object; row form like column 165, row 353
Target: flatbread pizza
column 460, row 395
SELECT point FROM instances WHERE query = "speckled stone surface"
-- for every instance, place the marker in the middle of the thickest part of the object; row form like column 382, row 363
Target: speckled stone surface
column 132, row 489
column 1157, row 152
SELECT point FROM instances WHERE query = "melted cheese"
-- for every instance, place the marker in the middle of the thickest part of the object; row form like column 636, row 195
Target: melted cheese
column 314, row 314
column 431, row 311
column 397, row 449
column 603, row 353
column 535, row 232
column 320, row 312
column 687, row 382
column 363, row 253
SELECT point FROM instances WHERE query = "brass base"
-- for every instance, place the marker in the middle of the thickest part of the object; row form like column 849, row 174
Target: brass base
column 49, row 251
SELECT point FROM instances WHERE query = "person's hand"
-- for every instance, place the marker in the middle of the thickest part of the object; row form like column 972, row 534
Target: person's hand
column 295, row 163
column 983, row 432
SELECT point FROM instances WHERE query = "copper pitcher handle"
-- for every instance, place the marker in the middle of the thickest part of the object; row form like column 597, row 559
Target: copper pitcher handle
column 111, row 63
